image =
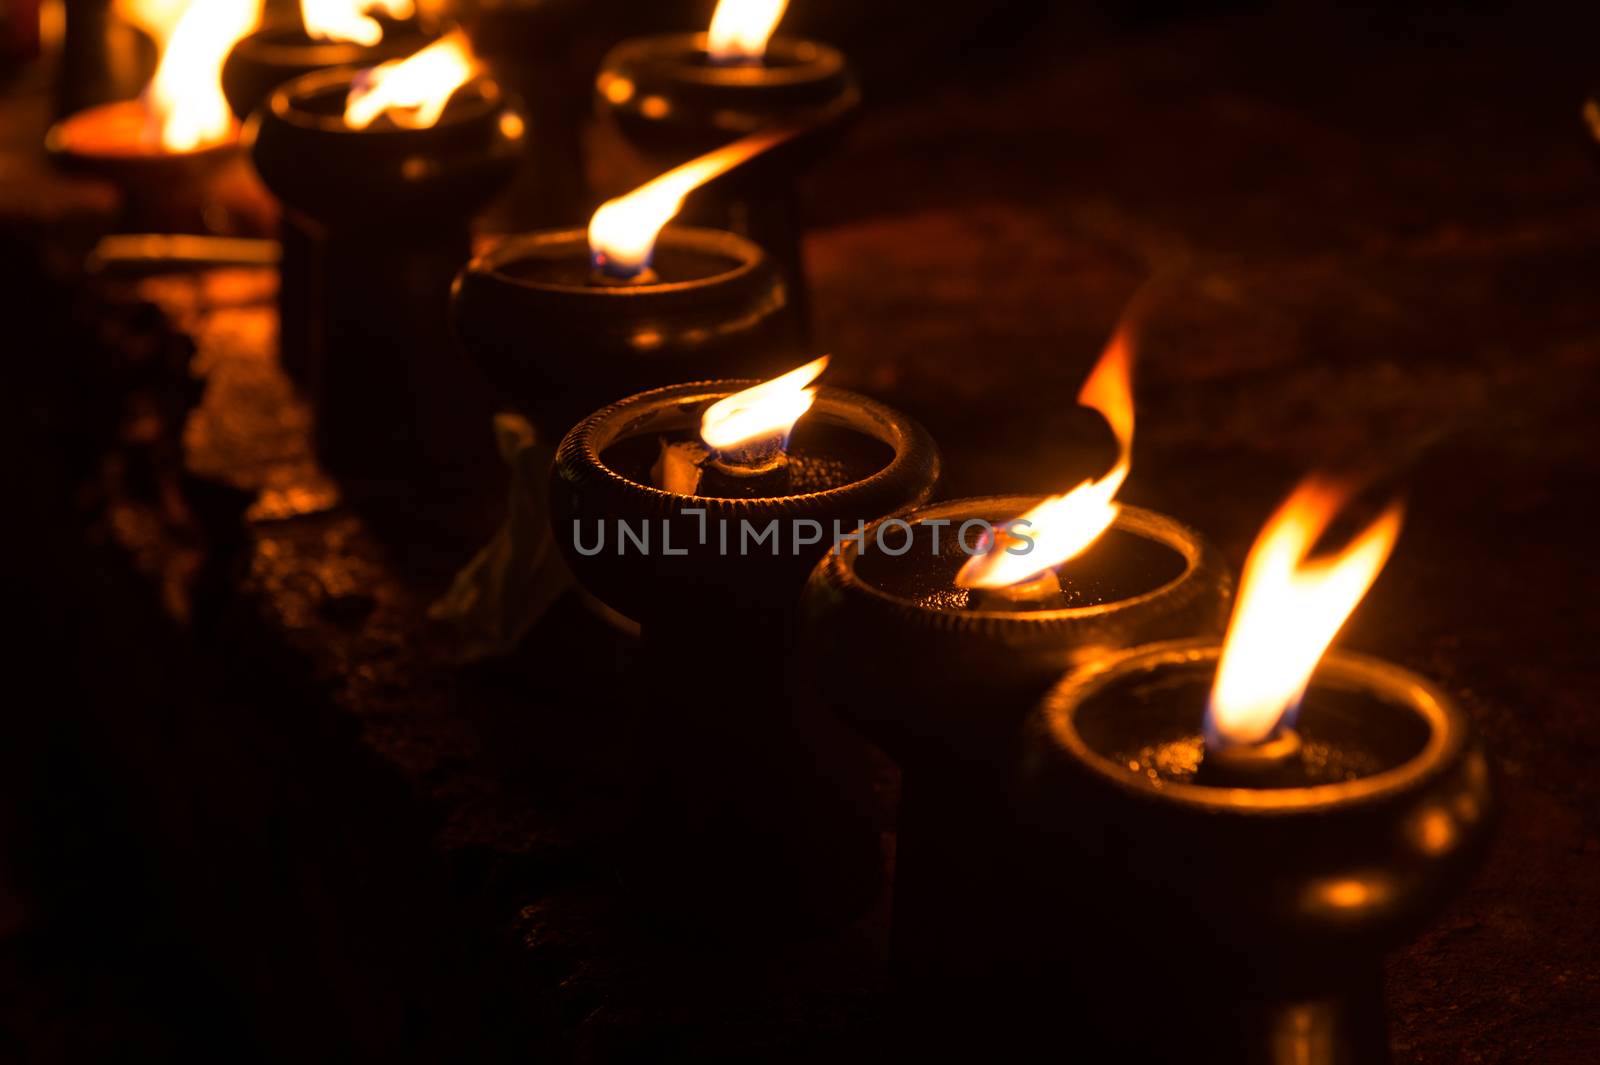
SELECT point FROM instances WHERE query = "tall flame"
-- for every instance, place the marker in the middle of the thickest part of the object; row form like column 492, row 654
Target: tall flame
column 1290, row 608
column 350, row 20
column 740, row 29
column 413, row 91
column 622, row 233
column 763, row 411
column 1063, row 526
column 185, row 101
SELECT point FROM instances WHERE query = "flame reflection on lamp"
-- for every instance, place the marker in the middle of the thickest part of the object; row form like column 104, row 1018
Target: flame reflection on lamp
column 391, row 204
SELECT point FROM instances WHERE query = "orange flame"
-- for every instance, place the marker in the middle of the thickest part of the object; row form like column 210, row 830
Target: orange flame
column 413, row 91
column 1289, row 610
column 741, row 28
column 185, row 103
column 622, row 233
column 767, row 410
column 350, row 20
column 1063, row 526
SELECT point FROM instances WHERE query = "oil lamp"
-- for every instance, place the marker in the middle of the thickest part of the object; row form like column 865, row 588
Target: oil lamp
column 674, row 96
column 991, row 608
column 167, row 150
column 1268, row 817
column 387, row 168
column 326, row 33
column 704, row 538
column 561, row 321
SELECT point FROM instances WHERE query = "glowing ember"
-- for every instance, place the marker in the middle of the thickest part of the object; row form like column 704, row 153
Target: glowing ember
column 765, row 412
column 741, row 28
column 350, row 20
column 622, row 233
column 1290, row 608
column 186, row 107
column 1063, row 526
column 413, row 91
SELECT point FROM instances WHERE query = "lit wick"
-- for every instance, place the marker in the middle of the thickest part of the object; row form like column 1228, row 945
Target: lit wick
column 1042, row 591
column 608, row 270
column 1272, row 762
column 1017, row 569
column 1289, row 610
column 754, row 458
column 744, row 439
column 623, row 232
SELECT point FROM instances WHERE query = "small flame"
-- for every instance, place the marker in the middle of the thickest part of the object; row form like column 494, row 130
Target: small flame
column 1289, row 610
column 185, row 101
column 350, row 20
column 768, row 410
column 622, row 233
column 1063, row 526
column 413, row 91
column 741, row 28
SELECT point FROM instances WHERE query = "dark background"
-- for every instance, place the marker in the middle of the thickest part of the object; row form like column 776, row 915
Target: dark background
column 248, row 809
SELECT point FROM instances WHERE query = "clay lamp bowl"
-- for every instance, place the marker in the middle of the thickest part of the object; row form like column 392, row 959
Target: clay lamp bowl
column 278, row 52
column 1242, row 832
column 388, row 210
column 163, row 191
column 562, row 321
column 766, row 806
column 942, row 678
column 936, row 633
column 1288, row 892
column 557, row 343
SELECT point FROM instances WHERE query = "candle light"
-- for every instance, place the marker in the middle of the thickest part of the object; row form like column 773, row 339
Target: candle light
column 677, row 95
column 1289, row 611
column 989, row 621
column 559, row 321
column 388, row 167
column 166, row 150
column 623, row 232
column 1062, row 526
column 712, row 580
column 1348, row 803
